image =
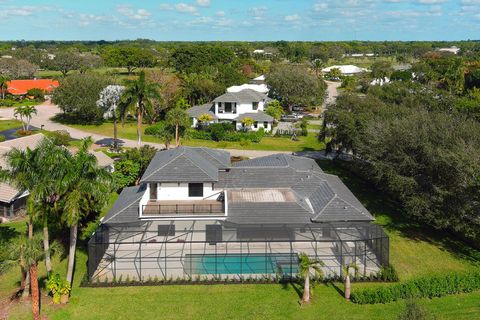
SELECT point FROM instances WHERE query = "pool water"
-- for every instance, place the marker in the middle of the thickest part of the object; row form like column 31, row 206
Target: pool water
column 243, row 264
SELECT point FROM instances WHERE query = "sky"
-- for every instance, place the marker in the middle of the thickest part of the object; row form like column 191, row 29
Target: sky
column 206, row 20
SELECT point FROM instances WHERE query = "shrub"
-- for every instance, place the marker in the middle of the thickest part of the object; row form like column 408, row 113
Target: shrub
column 388, row 273
column 7, row 103
column 425, row 287
column 413, row 311
column 154, row 129
column 58, row 287
column 199, row 134
column 218, row 130
column 61, row 137
column 2, row 138
column 36, row 93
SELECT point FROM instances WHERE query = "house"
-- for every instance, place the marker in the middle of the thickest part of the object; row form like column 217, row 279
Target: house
column 12, row 200
column 21, row 87
column 346, row 70
column 259, row 80
column 453, row 49
column 238, row 103
column 195, row 215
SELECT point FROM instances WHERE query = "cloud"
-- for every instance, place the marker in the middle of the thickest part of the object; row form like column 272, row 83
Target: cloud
column 220, row 13
column 128, row 11
column 165, row 6
column 23, row 11
column 320, row 6
column 431, row 1
column 292, row 18
column 203, row 3
column 185, row 8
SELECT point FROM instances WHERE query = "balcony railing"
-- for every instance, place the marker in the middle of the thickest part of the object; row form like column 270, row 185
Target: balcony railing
column 186, row 208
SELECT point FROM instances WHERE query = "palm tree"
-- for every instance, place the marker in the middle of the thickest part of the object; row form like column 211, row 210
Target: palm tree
column 25, row 112
column 179, row 118
column 182, row 104
column 317, row 65
column 137, row 99
column 28, row 252
column 346, row 276
column 3, row 85
column 306, row 267
column 88, row 189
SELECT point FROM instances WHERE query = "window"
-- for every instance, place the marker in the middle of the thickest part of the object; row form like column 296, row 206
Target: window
column 265, row 124
column 228, row 107
column 166, row 230
column 153, row 191
column 195, row 189
column 255, row 105
column 213, row 233
column 255, row 125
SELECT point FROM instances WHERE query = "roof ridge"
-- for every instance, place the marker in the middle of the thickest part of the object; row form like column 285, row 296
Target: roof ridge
column 168, row 162
column 124, row 207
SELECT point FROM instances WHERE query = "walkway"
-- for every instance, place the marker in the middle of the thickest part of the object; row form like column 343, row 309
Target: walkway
column 47, row 110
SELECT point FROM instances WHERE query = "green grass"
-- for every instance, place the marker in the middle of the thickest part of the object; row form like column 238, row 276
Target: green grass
column 415, row 251
column 9, row 124
column 23, row 102
column 129, row 131
column 314, row 126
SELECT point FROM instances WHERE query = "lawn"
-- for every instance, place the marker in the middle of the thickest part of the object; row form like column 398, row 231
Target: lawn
column 18, row 103
column 9, row 124
column 415, row 251
column 129, row 131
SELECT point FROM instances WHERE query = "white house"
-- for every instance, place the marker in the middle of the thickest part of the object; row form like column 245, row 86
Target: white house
column 235, row 105
column 453, row 49
column 262, row 88
column 346, row 70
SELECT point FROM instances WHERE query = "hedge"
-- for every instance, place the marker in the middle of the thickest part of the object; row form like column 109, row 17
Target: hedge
column 232, row 136
column 425, row 287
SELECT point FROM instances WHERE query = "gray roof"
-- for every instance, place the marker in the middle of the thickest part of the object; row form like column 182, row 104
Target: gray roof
column 197, row 111
column 259, row 116
column 276, row 189
column 125, row 208
column 244, row 96
column 185, row 164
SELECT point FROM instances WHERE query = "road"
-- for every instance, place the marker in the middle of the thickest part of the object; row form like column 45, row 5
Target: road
column 47, row 110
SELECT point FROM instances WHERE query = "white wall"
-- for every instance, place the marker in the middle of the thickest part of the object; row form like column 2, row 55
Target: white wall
column 241, row 109
column 175, row 191
column 259, row 125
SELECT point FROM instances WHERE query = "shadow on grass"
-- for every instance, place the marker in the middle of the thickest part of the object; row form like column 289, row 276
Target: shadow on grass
column 388, row 214
column 7, row 233
column 295, row 286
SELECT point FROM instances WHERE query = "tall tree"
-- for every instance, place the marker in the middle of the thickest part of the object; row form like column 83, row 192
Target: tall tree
column 3, row 85
column 178, row 118
column 137, row 100
column 88, row 190
column 308, row 266
column 109, row 100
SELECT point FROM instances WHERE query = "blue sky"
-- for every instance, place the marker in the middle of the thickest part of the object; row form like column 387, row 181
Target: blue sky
column 240, row 20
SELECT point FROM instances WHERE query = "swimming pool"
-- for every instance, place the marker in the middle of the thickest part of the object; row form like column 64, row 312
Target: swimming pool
column 241, row 264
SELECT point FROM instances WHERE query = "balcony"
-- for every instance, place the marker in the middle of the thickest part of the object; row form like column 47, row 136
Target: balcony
column 188, row 208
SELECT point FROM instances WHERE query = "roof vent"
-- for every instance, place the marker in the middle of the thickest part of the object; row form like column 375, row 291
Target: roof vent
column 345, row 207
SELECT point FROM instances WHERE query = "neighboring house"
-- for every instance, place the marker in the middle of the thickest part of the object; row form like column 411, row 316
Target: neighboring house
column 21, row 87
column 259, row 80
column 235, row 105
column 453, row 49
column 346, row 70
column 195, row 215
column 12, row 200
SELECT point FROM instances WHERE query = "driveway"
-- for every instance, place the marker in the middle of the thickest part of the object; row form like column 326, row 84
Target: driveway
column 332, row 93
column 47, row 110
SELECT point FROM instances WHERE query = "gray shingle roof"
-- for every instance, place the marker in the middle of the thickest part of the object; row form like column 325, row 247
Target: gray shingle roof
column 244, row 96
column 125, row 208
column 259, row 116
column 277, row 189
column 184, row 164
column 197, row 111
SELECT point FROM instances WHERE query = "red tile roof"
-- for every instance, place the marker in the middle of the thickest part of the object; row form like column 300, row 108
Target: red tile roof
column 19, row 87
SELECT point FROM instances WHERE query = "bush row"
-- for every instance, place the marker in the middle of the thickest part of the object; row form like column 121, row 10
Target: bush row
column 425, row 287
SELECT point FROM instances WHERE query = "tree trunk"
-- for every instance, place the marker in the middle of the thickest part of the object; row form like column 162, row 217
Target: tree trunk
column 177, row 136
column 115, row 139
column 26, row 290
column 347, row 286
column 71, row 252
column 30, row 228
column 139, row 127
column 46, row 246
column 306, row 289
column 35, row 292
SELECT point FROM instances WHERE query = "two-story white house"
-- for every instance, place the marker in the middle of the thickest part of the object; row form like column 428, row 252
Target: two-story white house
column 238, row 103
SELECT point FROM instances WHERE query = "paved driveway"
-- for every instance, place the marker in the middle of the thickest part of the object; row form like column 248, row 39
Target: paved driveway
column 47, row 110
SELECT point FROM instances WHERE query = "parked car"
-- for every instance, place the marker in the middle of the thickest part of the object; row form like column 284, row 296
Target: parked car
column 289, row 118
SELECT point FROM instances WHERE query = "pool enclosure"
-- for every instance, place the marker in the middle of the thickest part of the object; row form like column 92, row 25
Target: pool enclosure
column 219, row 250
